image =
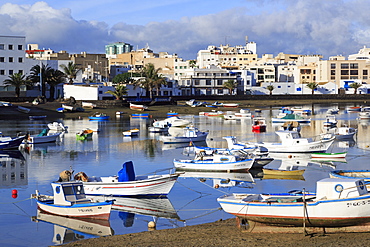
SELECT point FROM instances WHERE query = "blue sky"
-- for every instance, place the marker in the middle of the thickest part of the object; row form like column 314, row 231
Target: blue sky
column 327, row 27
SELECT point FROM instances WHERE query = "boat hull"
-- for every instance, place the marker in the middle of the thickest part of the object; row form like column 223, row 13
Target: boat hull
column 364, row 174
column 348, row 212
column 43, row 139
column 183, row 139
column 311, row 147
column 192, row 165
column 99, row 210
column 153, row 186
column 11, row 144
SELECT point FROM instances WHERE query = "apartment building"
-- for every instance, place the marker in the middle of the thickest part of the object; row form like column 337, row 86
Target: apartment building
column 12, row 58
column 112, row 50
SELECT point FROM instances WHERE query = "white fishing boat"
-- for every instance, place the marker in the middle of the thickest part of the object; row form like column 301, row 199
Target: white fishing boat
column 131, row 132
column 88, row 105
column 343, row 133
column 67, row 107
column 57, row 126
column 174, row 121
column 225, row 161
column 138, row 107
column 43, row 137
column 292, row 142
column 330, row 121
column 7, row 142
column 126, row 183
column 301, row 110
column 302, row 208
column 243, row 113
column 184, row 135
column 354, row 174
column 69, row 200
column 230, row 105
column 332, row 111
column 364, row 113
column 290, row 117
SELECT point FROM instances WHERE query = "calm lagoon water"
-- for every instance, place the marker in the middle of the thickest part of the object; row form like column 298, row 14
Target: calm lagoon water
column 192, row 200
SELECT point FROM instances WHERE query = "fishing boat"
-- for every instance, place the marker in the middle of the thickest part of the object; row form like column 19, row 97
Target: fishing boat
column 23, row 109
column 291, row 117
column 140, row 115
column 159, row 126
column 354, row 108
column 332, row 111
column 330, row 121
column 278, row 172
column 7, row 142
column 305, row 209
column 184, row 135
column 343, row 133
column 57, row 126
column 301, row 110
column 222, row 161
column 85, row 134
column 69, row 199
column 353, row 174
column 88, row 105
column 194, row 103
column 138, row 107
column 172, row 114
column 126, row 183
column 99, row 116
column 37, row 117
column 230, row 105
column 259, row 124
column 174, row 121
column 67, row 107
column 329, row 156
column 292, row 142
column 131, row 132
column 43, row 137
column 243, row 113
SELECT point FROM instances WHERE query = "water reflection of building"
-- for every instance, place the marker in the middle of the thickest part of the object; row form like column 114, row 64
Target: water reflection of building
column 13, row 169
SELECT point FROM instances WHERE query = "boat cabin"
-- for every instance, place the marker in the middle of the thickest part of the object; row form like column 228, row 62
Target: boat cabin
column 333, row 188
column 69, row 193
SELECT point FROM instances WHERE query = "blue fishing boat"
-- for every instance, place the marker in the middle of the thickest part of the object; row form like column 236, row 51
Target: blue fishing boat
column 7, row 142
column 99, row 116
column 140, row 115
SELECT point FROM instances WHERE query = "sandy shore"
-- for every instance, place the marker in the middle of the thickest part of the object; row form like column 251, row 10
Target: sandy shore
column 226, row 233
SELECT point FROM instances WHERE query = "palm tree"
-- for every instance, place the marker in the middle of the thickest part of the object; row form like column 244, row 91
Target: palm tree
column 119, row 92
column 70, row 70
column 192, row 63
column 56, row 77
column 231, row 85
column 17, row 80
column 151, row 79
column 124, row 78
column 45, row 72
column 312, row 86
column 355, row 85
column 158, row 82
column 270, row 88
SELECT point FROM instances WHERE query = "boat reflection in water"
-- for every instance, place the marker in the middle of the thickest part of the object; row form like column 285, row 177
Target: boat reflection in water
column 169, row 146
column 160, row 207
column 13, row 169
column 222, row 179
column 67, row 230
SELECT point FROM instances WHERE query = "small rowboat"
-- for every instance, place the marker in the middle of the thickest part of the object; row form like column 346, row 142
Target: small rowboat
column 84, row 134
column 23, row 109
column 132, row 132
column 329, row 156
column 276, row 172
column 364, row 174
column 140, row 115
column 230, row 105
column 138, row 107
column 37, row 117
column 99, row 116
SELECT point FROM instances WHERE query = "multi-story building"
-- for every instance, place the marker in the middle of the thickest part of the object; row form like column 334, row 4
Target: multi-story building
column 209, row 81
column 12, row 58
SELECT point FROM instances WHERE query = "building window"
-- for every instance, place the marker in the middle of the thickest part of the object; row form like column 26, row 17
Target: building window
column 2, row 59
column 11, row 72
column 20, row 47
column 219, row 82
column 11, row 60
column 208, row 82
column 364, row 72
column 354, row 72
column 2, row 72
column 220, row 91
column 332, row 65
column 344, row 72
column 10, row 47
column 196, row 82
column 344, row 66
column 20, row 72
column 332, row 72
column 353, row 65
column 20, row 60
column 2, row 47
